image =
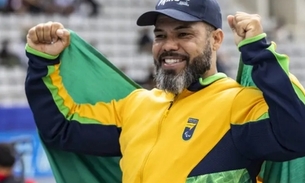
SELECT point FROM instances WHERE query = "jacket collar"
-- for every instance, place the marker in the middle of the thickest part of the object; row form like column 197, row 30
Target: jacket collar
column 202, row 83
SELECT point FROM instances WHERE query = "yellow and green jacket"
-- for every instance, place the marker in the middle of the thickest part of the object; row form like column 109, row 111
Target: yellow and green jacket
column 214, row 131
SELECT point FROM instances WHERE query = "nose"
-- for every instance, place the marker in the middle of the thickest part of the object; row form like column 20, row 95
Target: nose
column 170, row 45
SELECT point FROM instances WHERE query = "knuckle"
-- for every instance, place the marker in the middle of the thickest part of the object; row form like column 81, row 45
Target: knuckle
column 256, row 20
column 57, row 25
column 239, row 24
column 39, row 27
column 32, row 31
column 238, row 18
column 257, row 15
column 47, row 25
column 46, row 28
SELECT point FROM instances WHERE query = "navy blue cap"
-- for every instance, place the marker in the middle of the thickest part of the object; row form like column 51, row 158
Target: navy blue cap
column 185, row 10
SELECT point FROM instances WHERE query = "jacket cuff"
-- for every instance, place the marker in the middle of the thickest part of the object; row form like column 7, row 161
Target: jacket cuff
column 253, row 50
column 39, row 54
column 39, row 59
column 252, row 39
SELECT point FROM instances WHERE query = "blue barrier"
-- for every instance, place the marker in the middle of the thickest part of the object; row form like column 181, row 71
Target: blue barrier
column 16, row 119
column 17, row 126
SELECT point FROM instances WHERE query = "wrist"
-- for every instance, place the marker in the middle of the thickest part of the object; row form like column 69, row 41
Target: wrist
column 38, row 53
column 252, row 40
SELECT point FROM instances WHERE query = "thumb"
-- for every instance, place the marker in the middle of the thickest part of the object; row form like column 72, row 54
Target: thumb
column 64, row 36
column 231, row 22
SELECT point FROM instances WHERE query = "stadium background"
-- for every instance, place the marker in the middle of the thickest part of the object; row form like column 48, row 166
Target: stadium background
column 110, row 27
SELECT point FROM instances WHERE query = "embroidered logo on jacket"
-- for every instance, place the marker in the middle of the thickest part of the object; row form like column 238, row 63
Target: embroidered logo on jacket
column 189, row 129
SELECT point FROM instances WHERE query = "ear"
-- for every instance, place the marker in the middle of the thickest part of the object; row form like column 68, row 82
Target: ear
column 217, row 36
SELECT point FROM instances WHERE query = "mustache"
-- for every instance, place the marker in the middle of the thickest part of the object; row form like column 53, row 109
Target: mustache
column 172, row 54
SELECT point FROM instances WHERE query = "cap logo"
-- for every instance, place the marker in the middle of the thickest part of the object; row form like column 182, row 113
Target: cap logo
column 179, row 2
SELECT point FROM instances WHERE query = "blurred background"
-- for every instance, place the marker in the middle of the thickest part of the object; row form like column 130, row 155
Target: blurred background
column 110, row 26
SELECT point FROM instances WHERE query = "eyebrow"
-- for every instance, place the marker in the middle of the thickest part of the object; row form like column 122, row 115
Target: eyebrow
column 177, row 28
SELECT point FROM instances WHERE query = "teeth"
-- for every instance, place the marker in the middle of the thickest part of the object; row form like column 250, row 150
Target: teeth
column 171, row 61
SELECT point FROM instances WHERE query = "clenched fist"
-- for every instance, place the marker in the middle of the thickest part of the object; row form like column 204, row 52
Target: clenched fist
column 245, row 26
column 50, row 38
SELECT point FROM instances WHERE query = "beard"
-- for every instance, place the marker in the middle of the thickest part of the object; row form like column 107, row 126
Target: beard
column 170, row 81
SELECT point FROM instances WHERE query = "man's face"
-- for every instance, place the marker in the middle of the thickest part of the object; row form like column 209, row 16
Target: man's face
column 182, row 53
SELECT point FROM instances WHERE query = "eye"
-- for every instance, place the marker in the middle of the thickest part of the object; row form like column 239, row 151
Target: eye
column 160, row 36
column 183, row 34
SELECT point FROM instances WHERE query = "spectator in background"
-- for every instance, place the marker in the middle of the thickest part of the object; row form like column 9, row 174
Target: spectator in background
column 21, row 6
column 145, row 41
column 33, row 6
column 3, row 5
column 89, row 7
column 7, row 6
column 64, row 7
column 7, row 161
column 68, row 7
column 7, row 58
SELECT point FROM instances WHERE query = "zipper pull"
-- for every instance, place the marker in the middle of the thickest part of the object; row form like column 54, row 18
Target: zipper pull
column 170, row 105
column 171, row 102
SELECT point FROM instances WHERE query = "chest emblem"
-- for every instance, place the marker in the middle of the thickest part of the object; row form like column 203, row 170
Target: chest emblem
column 189, row 128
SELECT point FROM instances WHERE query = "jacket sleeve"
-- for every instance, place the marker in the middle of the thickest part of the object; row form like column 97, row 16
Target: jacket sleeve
column 271, row 127
column 62, row 123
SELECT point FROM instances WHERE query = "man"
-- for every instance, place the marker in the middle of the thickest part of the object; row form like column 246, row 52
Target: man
column 199, row 125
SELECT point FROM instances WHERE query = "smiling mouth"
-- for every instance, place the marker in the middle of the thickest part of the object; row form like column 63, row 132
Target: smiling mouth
column 172, row 61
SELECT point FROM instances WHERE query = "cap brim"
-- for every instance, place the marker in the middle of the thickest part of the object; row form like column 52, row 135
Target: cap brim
column 150, row 17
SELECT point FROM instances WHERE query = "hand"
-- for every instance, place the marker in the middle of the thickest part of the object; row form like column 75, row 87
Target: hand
column 50, row 38
column 245, row 26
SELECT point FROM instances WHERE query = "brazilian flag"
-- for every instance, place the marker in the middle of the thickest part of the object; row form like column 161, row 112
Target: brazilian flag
column 274, row 172
column 89, row 77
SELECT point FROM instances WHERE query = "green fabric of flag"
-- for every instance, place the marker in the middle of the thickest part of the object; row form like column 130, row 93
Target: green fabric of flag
column 89, row 77
column 274, row 172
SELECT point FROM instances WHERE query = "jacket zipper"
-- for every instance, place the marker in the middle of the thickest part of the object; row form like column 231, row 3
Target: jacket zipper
column 158, row 135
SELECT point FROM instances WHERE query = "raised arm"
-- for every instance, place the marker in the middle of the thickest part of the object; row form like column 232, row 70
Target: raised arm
column 268, row 124
column 80, row 128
